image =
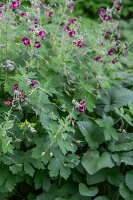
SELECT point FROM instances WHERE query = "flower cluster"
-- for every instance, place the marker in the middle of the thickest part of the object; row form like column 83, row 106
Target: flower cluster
column 72, row 33
column 82, row 107
column 15, row 4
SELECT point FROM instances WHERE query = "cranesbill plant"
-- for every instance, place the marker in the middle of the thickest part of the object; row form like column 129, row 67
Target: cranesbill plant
column 64, row 121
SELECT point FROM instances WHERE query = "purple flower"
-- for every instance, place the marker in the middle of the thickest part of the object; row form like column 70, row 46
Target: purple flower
column 101, row 12
column 15, row 4
column 42, row 33
column 81, row 109
column 9, row 102
column 35, row 21
column 15, row 86
column 72, row 33
column 98, row 58
column 1, row 5
column 115, row 60
column 42, row 1
column 106, row 17
column 82, row 102
column 67, row 28
column 26, row 41
column 37, row 44
column 23, row 14
column 73, row 21
column 118, row 43
column 111, row 52
column 80, row 43
column 50, row 14
column 34, row 83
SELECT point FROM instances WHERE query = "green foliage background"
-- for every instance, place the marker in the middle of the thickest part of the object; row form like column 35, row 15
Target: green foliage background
column 48, row 151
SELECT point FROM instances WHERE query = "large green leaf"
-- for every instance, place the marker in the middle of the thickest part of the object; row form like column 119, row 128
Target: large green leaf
column 92, row 133
column 93, row 162
column 85, row 191
column 114, row 177
column 98, row 177
column 115, row 97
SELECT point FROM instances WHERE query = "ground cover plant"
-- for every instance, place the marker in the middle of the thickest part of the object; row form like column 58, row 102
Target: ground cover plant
column 66, row 104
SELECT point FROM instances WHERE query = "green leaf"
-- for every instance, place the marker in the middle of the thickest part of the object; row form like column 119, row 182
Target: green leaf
column 107, row 124
column 101, row 198
column 98, row 177
column 114, row 98
column 125, row 192
column 125, row 143
column 129, row 180
column 85, row 191
column 114, row 177
column 92, row 133
column 93, row 162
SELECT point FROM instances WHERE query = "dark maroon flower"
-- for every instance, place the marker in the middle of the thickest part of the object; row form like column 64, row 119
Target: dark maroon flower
column 101, row 12
column 98, row 58
column 82, row 102
column 35, row 21
column 23, row 14
column 42, row 33
column 118, row 43
column 26, row 41
column 15, row 4
column 111, row 52
column 50, row 14
column 37, row 44
column 115, row 60
column 34, row 83
column 72, row 33
column 81, row 109
column 1, row 5
column 67, row 28
column 9, row 102
column 15, row 86
column 73, row 21
column 106, row 17
column 80, row 43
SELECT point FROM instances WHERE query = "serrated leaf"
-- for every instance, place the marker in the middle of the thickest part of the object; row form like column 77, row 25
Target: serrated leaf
column 129, row 180
column 125, row 192
column 125, row 143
